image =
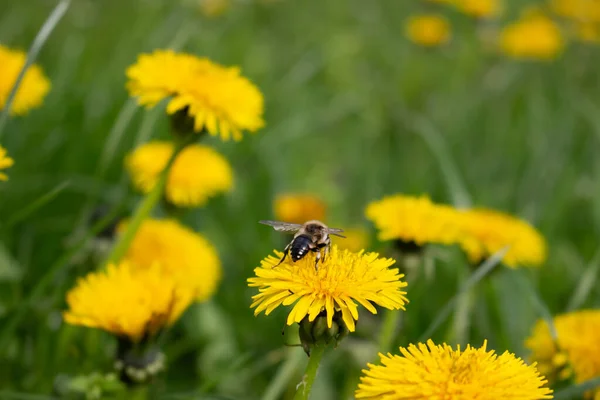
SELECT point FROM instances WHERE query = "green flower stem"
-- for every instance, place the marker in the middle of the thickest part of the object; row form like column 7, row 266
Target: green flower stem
column 144, row 208
column 462, row 316
column 388, row 330
column 485, row 268
column 304, row 388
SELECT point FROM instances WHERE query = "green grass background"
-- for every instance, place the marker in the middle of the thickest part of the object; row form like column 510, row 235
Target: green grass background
column 353, row 112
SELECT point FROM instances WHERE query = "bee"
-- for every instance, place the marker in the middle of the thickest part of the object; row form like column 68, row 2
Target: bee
column 311, row 236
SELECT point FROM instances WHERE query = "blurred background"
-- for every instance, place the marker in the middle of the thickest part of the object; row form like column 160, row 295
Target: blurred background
column 493, row 104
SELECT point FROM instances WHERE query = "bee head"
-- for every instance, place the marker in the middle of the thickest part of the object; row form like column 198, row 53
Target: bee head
column 316, row 229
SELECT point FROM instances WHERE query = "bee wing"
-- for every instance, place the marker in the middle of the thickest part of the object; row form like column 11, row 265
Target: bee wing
column 335, row 232
column 282, row 226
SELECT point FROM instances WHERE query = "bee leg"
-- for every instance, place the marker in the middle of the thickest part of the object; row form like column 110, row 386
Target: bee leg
column 317, row 249
column 325, row 252
column 327, row 246
column 285, row 252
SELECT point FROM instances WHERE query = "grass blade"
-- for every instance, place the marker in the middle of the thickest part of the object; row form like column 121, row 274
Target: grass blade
column 37, row 204
column 10, row 269
column 586, row 283
column 12, row 323
column 475, row 277
column 294, row 361
column 114, row 137
column 435, row 141
column 538, row 303
column 463, row 310
column 43, row 34
column 8, row 395
column 577, row 391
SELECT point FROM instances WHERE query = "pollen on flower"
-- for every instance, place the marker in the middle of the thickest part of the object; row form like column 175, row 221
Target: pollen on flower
column 34, row 86
column 430, row 371
column 198, row 173
column 218, row 99
column 339, row 283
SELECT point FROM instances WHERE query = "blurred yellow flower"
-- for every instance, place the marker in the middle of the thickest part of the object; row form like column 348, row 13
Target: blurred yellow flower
column 5, row 162
column 576, row 354
column 299, row 208
column 579, row 10
column 414, row 220
column 587, row 32
column 341, row 280
column 128, row 302
column 426, row 372
column 181, row 253
column 214, row 8
column 534, row 36
column 356, row 239
column 480, row 8
column 488, row 231
column 34, row 86
column 217, row 98
column 197, row 174
column 428, row 30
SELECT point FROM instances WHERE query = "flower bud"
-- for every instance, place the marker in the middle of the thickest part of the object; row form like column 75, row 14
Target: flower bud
column 138, row 364
column 317, row 333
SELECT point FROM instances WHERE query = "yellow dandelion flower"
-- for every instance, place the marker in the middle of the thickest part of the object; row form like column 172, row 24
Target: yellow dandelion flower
column 127, row 301
column 414, row 220
column 535, row 36
column 299, row 208
column 341, row 281
column 214, row 8
column 428, row 30
column 217, row 98
column 34, row 86
column 487, row 232
column 5, row 162
column 480, row 8
column 578, row 10
column 356, row 239
column 181, row 253
column 436, row 372
column 577, row 352
column 588, row 32
column 197, row 174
